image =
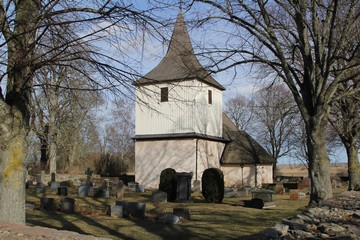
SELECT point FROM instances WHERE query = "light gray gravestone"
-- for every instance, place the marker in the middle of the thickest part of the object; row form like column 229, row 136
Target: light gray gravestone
column 120, row 190
column 159, row 196
column 83, row 190
column 115, row 211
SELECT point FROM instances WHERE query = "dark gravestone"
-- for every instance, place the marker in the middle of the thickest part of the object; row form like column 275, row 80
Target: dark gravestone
column 290, row 185
column 68, row 205
column 183, row 189
column 62, row 191
column 127, row 178
column 182, row 212
column 101, row 193
column 269, row 186
column 115, row 211
column 159, row 196
column 134, row 209
column 140, row 188
column 47, row 204
column 53, row 177
column 88, row 174
column 39, row 188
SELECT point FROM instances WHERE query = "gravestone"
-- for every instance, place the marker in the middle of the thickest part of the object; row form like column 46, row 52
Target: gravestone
column 55, row 185
column 115, row 211
column 262, row 198
column 53, row 177
column 183, row 189
column 134, row 209
column 88, row 174
column 140, row 188
column 101, row 193
column 83, row 190
column 62, row 191
column 105, row 184
column 68, row 205
column 169, row 219
column 47, row 204
column 132, row 186
column 120, row 189
column 182, row 212
column 39, row 188
column 159, row 196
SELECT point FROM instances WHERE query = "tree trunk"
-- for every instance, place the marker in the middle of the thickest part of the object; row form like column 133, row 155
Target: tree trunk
column 319, row 162
column 353, row 166
column 12, row 157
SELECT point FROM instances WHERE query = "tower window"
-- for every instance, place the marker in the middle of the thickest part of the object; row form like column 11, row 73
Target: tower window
column 209, row 96
column 164, row 94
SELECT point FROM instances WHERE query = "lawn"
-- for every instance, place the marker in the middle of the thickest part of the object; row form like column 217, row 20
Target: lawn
column 229, row 220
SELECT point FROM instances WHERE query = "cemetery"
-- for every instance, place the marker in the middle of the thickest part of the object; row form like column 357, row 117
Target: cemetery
column 111, row 209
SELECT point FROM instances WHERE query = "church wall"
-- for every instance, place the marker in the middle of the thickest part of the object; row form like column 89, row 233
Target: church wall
column 154, row 156
column 235, row 177
column 186, row 111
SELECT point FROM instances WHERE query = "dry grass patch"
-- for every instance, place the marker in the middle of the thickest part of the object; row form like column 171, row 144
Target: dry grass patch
column 228, row 220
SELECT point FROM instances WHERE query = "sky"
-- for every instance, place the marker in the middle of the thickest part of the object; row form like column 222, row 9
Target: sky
column 151, row 52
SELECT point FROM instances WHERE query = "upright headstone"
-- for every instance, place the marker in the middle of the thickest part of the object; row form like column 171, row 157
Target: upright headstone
column 183, row 190
column 42, row 176
column 120, row 189
column 53, row 177
column 88, row 173
column 68, row 205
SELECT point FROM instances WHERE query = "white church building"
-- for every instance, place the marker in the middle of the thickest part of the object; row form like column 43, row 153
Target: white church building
column 180, row 123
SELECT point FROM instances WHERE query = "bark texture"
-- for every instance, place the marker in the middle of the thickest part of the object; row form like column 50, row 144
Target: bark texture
column 12, row 158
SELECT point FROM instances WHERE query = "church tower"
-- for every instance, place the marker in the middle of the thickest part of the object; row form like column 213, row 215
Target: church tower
column 178, row 114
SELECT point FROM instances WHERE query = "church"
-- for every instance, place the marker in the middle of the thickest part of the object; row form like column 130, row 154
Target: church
column 179, row 123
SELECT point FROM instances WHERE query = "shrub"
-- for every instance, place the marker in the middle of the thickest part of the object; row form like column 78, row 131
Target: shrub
column 168, row 183
column 213, row 185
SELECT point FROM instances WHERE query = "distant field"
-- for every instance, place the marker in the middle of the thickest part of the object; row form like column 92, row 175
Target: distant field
column 299, row 170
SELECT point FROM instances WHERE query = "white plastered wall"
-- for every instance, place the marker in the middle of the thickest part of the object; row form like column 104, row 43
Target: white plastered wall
column 234, row 176
column 186, row 111
column 151, row 157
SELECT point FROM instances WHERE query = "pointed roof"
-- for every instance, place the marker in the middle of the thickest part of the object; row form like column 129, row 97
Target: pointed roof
column 241, row 147
column 180, row 62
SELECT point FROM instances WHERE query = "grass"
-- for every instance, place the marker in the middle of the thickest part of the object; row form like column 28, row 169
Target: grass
column 229, row 220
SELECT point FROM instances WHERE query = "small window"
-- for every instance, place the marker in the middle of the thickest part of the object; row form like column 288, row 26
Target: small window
column 164, row 94
column 209, row 96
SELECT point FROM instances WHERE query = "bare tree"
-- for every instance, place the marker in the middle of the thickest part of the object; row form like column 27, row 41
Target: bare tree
column 25, row 26
column 296, row 41
column 277, row 119
column 58, row 115
column 239, row 110
column 117, row 154
column 345, row 118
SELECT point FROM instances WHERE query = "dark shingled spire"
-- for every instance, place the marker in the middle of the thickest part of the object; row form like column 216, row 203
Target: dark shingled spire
column 180, row 62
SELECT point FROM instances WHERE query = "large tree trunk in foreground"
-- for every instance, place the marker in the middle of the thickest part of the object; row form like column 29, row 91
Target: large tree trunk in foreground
column 12, row 158
column 319, row 162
